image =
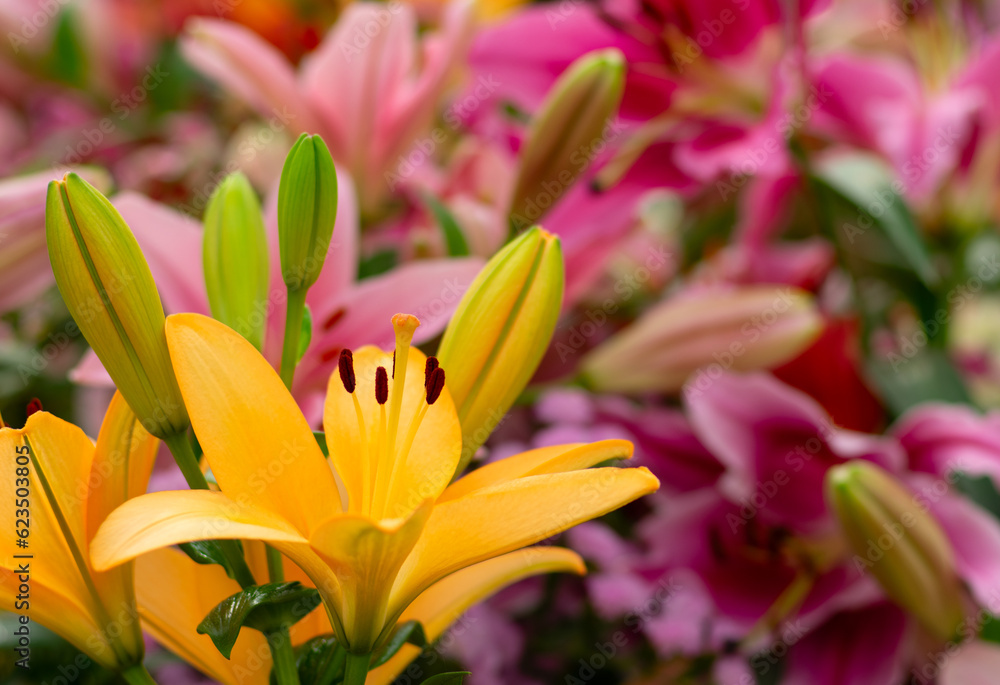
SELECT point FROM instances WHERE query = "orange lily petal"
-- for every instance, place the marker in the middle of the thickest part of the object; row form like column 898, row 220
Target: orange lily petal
column 441, row 604
column 554, row 459
column 366, row 556
column 161, row 519
column 505, row 517
column 174, row 595
column 255, row 438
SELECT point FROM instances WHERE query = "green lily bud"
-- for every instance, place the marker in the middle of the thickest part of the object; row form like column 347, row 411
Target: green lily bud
column 307, row 209
column 500, row 331
column 569, row 125
column 894, row 538
column 235, row 256
column 110, row 292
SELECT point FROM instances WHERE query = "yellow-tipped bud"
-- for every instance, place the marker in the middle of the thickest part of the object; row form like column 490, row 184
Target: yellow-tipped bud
column 893, row 537
column 566, row 131
column 109, row 291
column 235, row 257
column 741, row 329
column 500, row 331
column 307, row 209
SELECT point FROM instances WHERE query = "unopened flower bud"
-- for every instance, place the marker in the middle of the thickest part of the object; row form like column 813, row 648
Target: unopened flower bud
column 500, row 331
column 894, row 538
column 569, row 126
column 109, row 291
column 235, row 258
column 307, row 209
column 740, row 329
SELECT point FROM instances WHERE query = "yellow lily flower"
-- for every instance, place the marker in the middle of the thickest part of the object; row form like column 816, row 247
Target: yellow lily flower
column 378, row 524
column 72, row 485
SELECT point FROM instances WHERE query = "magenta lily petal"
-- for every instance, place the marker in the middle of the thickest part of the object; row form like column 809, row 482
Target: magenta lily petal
column 975, row 538
column 880, row 104
column 982, row 76
column 768, row 434
column 940, row 439
column 762, row 204
column 528, row 52
column 862, row 647
column 249, row 66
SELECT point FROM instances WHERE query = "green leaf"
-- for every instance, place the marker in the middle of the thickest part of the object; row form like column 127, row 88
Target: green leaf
column 262, row 607
column 305, row 337
column 321, row 441
column 869, row 186
column 378, row 263
column 453, row 678
column 926, row 376
column 207, row 552
column 411, row 631
column 320, row 661
column 68, row 60
column 453, row 236
column 979, row 489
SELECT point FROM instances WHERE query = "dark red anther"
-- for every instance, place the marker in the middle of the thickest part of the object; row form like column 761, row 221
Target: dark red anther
column 381, row 385
column 435, row 384
column 394, row 364
column 346, row 366
column 34, row 406
column 432, row 363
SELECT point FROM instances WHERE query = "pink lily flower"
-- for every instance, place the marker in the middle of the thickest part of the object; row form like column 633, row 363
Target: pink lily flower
column 345, row 311
column 24, row 260
column 757, row 525
column 879, row 103
column 369, row 89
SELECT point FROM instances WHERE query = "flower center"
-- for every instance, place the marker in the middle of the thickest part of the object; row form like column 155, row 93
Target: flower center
column 386, row 455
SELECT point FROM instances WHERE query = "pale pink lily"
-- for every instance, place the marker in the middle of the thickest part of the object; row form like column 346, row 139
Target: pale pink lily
column 24, row 260
column 345, row 311
column 369, row 89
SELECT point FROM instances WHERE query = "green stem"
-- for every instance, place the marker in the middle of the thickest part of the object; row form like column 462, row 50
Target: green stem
column 188, row 463
column 285, row 670
column 138, row 675
column 180, row 447
column 275, row 566
column 293, row 328
column 356, row 669
column 279, row 641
